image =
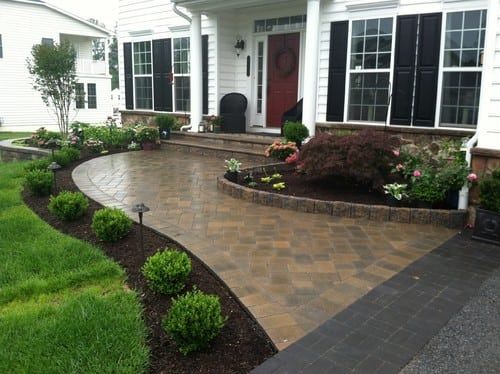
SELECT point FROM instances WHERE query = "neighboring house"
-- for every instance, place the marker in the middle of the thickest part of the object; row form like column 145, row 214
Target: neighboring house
column 26, row 23
column 438, row 58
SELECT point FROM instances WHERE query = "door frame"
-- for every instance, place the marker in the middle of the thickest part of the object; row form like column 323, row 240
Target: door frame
column 259, row 120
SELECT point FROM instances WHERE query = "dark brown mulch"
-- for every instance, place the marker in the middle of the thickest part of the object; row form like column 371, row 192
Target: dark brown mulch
column 327, row 189
column 242, row 344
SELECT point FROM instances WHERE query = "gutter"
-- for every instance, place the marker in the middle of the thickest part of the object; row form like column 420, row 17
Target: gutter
column 463, row 196
column 187, row 18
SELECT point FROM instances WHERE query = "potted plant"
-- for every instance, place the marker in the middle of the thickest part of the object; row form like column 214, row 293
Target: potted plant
column 426, row 189
column 395, row 193
column 165, row 123
column 295, row 132
column 216, row 123
column 487, row 224
column 148, row 136
column 233, row 169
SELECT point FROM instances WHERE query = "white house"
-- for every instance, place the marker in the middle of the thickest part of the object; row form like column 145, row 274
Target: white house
column 24, row 23
column 422, row 66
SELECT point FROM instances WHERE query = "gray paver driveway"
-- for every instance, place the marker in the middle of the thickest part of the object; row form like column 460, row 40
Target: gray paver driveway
column 292, row 270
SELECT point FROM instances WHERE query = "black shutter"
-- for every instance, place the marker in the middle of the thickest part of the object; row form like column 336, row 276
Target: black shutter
column 162, row 67
column 204, row 67
column 427, row 69
column 129, row 78
column 404, row 69
column 337, row 71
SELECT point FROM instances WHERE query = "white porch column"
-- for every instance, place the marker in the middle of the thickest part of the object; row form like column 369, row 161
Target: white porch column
column 196, row 72
column 311, row 65
column 488, row 128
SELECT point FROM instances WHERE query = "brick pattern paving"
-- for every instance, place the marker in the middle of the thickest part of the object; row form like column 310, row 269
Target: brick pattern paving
column 292, row 270
column 383, row 330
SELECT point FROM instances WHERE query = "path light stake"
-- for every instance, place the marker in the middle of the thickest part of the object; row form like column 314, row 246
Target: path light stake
column 141, row 209
column 54, row 166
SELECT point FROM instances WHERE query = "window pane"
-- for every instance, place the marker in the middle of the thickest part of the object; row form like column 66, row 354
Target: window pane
column 451, row 58
column 80, row 96
column 454, row 21
column 371, row 44
column 358, row 28
column 143, row 93
column 357, row 45
column 453, row 39
column 372, row 27
column 471, row 39
column 368, row 97
column 182, row 94
column 469, row 58
column 142, row 58
column 460, row 100
column 472, row 20
column 384, row 60
column 384, row 43
column 91, row 96
column 386, row 26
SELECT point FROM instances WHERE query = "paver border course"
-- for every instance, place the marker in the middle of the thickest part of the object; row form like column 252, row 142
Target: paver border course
column 453, row 219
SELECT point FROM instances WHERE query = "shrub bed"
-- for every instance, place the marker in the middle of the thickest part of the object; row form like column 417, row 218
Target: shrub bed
column 68, row 206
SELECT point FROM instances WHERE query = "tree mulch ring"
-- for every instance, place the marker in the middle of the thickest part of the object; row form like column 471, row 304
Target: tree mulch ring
column 242, row 344
column 298, row 185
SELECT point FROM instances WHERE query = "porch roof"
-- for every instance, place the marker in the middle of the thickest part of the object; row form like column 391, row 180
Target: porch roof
column 212, row 5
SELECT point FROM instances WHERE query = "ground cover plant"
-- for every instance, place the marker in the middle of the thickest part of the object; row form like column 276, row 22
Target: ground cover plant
column 242, row 343
column 63, row 304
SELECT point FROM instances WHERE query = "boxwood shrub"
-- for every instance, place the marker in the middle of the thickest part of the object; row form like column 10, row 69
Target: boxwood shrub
column 40, row 164
column 111, row 224
column 167, row 271
column 194, row 320
column 68, row 206
column 39, row 182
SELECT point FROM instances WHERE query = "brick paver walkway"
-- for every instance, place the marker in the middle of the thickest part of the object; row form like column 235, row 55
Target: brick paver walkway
column 292, row 270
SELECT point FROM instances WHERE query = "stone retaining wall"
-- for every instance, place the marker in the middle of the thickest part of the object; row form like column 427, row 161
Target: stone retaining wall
column 10, row 152
column 455, row 219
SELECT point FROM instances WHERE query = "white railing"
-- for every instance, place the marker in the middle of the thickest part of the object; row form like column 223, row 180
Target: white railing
column 88, row 66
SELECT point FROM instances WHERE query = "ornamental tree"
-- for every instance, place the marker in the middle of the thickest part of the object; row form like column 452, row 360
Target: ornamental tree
column 53, row 71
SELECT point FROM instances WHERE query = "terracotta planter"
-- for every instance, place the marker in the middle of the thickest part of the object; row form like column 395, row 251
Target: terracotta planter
column 487, row 226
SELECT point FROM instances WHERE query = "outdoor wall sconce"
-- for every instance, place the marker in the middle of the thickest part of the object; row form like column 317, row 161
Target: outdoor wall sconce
column 141, row 209
column 54, row 167
column 239, row 46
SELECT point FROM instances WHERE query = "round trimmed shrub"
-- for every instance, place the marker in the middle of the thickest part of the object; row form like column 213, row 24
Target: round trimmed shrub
column 295, row 131
column 40, row 164
column 194, row 320
column 167, row 271
column 39, row 182
column 68, row 206
column 111, row 224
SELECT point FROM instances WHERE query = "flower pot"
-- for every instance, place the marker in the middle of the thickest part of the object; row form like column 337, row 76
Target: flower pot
column 148, row 146
column 452, row 199
column 231, row 176
column 487, row 226
column 165, row 134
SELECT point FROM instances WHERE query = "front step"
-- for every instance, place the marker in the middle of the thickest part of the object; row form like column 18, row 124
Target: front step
column 244, row 143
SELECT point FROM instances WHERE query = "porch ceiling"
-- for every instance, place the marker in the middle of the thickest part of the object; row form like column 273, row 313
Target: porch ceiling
column 213, row 5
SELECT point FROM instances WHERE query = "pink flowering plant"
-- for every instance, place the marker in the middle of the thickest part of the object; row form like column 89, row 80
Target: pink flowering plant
column 281, row 150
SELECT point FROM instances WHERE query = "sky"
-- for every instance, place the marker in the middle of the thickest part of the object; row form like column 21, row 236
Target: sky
column 106, row 11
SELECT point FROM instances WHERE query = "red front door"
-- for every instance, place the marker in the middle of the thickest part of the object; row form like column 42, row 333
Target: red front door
column 282, row 75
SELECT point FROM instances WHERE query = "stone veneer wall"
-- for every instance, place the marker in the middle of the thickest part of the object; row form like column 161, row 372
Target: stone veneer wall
column 455, row 219
column 10, row 152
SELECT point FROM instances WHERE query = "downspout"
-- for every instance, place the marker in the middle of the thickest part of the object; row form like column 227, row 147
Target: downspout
column 463, row 196
column 187, row 18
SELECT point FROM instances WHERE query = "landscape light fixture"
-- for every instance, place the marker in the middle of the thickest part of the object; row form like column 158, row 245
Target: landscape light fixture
column 52, row 144
column 141, row 209
column 54, row 167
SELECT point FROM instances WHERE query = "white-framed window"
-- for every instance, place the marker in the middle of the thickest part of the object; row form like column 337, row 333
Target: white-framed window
column 462, row 68
column 80, row 96
column 143, row 77
column 369, row 69
column 182, row 71
column 91, row 96
column 260, row 76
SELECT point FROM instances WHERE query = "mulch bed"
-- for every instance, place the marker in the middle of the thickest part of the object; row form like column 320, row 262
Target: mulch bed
column 242, row 344
column 325, row 189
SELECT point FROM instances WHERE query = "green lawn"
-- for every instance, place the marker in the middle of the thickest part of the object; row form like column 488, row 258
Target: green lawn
column 64, row 307
column 13, row 135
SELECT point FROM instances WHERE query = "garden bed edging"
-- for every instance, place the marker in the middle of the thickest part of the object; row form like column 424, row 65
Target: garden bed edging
column 453, row 219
